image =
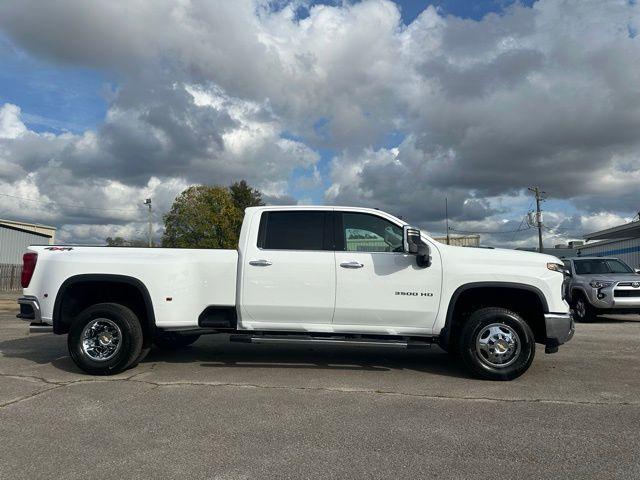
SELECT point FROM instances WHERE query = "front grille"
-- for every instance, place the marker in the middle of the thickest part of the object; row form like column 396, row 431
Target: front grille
column 626, row 293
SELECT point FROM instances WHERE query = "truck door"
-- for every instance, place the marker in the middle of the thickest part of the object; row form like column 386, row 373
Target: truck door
column 289, row 270
column 376, row 283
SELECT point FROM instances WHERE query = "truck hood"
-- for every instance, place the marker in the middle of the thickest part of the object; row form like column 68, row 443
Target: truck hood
column 505, row 255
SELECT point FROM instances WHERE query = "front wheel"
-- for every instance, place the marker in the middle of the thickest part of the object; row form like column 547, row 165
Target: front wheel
column 497, row 344
column 105, row 339
column 583, row 311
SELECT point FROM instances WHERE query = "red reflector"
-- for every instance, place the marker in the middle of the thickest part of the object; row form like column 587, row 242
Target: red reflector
column 28, row 266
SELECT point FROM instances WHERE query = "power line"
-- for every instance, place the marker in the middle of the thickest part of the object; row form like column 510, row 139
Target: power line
column 519, row 229
column 519, row 226
column 554, row 230
column 68, row 205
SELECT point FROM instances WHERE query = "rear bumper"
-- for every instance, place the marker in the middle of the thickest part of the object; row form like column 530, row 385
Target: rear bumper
column 30, row 311
column 560, row 329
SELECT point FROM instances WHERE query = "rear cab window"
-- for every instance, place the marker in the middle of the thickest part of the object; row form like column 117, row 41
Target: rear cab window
column 296, row 230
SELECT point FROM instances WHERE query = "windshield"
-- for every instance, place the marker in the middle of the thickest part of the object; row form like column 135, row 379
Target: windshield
column 591, row 267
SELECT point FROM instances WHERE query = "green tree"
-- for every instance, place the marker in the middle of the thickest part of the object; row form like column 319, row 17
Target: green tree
column 244, row 196
column 202, row 217
column 122, row 242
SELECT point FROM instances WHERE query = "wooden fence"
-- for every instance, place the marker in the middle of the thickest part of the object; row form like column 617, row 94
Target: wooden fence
column 10, row 277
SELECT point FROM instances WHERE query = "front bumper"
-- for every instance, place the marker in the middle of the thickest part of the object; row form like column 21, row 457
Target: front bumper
column 560, row 329
column 616, row 297
column 30, row 311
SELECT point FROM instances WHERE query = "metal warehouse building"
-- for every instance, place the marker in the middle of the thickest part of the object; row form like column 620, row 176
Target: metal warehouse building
column 622, row 242
column 15, row 237
column 460, row 240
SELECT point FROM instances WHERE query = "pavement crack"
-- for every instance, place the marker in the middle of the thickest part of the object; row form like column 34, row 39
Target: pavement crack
column 383, row 392
column 159, row 384
column 32, row 378
column 29, row 397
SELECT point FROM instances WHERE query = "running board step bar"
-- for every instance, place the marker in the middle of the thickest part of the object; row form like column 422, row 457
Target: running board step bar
column 35, row 327
column 333, row 340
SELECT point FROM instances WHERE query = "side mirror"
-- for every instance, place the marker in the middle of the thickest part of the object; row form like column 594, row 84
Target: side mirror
column 637, row 270
column 414, row 245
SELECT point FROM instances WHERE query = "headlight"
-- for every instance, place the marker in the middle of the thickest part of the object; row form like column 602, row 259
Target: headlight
column 557, row 267
column 600, row 284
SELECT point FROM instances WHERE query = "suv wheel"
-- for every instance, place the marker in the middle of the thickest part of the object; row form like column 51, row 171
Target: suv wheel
column 497, row 344
column 583, row 310
column 105, row 339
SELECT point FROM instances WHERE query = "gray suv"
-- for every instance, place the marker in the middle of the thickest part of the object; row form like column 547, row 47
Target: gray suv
column 601, row 285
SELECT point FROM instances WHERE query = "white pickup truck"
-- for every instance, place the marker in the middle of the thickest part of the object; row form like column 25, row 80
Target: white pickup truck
column 322, row 275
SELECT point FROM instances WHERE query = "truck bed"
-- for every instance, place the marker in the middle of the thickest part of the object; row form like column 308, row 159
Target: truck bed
column 181, row 283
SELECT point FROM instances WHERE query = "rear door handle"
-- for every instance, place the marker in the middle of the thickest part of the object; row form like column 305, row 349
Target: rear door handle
column 260, row 263
column 351, row 265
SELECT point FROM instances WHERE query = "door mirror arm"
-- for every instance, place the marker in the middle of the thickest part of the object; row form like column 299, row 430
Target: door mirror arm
column 414, row 245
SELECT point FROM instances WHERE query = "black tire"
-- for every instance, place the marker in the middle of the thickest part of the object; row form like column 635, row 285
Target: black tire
column 173, row 340
column 507, row 323
column 141, row 356
column 129, row 344
column 583, row 312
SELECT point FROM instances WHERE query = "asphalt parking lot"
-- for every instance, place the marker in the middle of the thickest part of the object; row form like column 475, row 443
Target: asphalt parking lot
column 236, row 411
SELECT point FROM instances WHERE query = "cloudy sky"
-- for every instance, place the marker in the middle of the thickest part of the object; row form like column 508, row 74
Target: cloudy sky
column 394, row 105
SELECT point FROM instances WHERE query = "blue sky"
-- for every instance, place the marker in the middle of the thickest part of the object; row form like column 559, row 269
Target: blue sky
column 410, row 9
column 475, row 111
column 52, row 97
column 57, row 98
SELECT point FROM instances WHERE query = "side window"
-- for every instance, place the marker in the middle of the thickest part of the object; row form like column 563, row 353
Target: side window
column 363, row 232
column 296, row 230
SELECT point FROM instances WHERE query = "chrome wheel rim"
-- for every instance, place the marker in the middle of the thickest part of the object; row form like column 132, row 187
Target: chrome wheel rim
column 498, row 345
column 101, row 339
column 581, row 308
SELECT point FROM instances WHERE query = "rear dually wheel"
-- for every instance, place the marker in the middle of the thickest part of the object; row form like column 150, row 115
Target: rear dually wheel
column 105, row 339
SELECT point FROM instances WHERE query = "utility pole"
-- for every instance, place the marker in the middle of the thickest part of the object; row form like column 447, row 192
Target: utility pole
column 446, row 216
column 539, row 199
column 147, row 202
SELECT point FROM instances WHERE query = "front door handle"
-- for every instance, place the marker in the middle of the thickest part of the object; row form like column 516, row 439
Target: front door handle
column 351, row 265
column 260, row 263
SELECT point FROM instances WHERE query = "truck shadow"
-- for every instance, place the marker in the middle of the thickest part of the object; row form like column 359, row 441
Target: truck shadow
column 40, row 349
column 212, row 352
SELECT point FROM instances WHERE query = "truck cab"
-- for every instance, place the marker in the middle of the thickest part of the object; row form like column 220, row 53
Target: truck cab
column 339, row 275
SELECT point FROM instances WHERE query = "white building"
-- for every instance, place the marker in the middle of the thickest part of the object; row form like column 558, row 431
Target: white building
column 622, row 242
column 15, row 237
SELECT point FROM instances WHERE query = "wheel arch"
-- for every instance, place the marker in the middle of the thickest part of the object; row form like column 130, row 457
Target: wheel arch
column 124, row 289
column 451, row 322
column 580, row 290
